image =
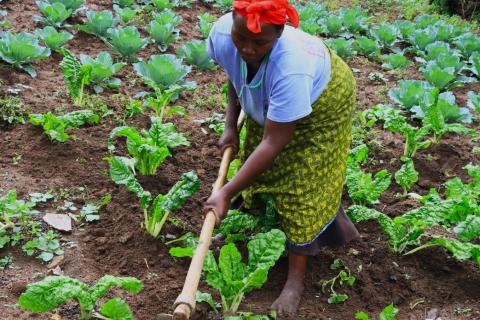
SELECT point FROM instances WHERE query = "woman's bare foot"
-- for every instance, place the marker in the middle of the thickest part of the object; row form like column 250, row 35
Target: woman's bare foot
column 288, row 301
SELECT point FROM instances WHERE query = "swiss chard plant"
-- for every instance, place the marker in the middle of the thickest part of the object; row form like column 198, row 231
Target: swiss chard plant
column 233, row 278
column 54, row 291
column 98, row 23
column 21, row 49
column 406, row 176
column 76, row 76
column 126, row 41
column 388, row 313
column 102, row 69
column 54, row 14
column 363, row 188
column 149, row 148
column 344, row 276
column 157, row 211
column 55, row 126
column 195, row 53
column 52, row 38
column 164, row 72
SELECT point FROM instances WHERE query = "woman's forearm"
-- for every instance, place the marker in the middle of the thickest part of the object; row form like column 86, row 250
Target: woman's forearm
column 233, row 108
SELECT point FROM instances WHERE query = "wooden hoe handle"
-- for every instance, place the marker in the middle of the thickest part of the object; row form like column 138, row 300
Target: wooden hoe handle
column 185, row 303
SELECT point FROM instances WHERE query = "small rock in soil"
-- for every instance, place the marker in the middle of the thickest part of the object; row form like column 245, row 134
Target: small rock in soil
column 124, row 239
column 56, row 262
column 18, row 287
column 57, row 271
column 101, row 240
column 432, row 314
column 60, row 222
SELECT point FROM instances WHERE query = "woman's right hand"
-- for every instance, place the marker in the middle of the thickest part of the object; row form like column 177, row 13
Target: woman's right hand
column 229, row 138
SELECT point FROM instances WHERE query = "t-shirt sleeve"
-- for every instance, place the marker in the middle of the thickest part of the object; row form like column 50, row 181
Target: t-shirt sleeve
column 290, row 98
column 210, row 44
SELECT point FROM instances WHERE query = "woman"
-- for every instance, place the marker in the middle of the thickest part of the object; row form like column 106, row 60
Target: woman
column 299, row 98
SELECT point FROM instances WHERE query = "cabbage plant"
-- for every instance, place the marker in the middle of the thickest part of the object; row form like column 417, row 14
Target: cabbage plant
column 102, row 70
column 474, row 62
column 473, row 101
column 168, row 16
column 395, row 61
column 73, row 5
column 366, row 46
column 124, row 3
column 161, row 5
column 343, row 47
column 163, row 34
column 98, row 23
column 386, row 34
column 205, row 23
column 468, row 43
column 354, row 19
column 410, row 93
column 52, row 38
column 126, row 14
column 21, row 49
column 54, row 14
column 126, row 41
column 195, row 52
column 332, row 25
column 163, row 72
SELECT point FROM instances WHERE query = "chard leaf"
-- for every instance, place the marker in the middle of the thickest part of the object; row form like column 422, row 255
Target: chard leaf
column 181, row 191
column 51, row 292
column 116, row 309
column 361, row 316
column 237, row 221
column 389, row 313
column 469, row 229
column 78, row 118
column 121, row 172
column 265, row 249
column 107, row 282
column 206, row 297
column 460, row 250
column 76, row 76
column 407, row 176
column 166, row 135
column 362, row 188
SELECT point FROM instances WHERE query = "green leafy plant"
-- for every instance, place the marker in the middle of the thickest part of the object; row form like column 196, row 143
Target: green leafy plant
column 12, row 111
column 164, row 34
column 354, row 19
column 232, row 278
column 163, row 72
column 46, row 243
column 332, row 25
column 126, row 14
column 52, row 292
column 362, row 188
column 124, row 3
column 89, row 212
column 73, row 5
column 161, row 5
column 223, row 5
column 396, row 61
column 195, row 52
column 407, row 176
column 421, row 38
column 149, row 148
column 342, row 47
column 343, row 277
column 126, row 41
column 468, row 43
column 366, row 46
column 21, row 49
column 168, row 16
column 157, row 211
column 54, row 14
column 473, row 101
column 55, row 126
column 386, row 34
column 410, row 93
column 442, row 78
column 52, row 38
column 475, row 63
column 102, row 70
column 98, row 23
column 388, row 313
column 75, row 75
column 205, row 23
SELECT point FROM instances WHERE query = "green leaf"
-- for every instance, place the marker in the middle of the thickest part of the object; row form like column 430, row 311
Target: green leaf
column 265, row 249
column 389, row 313
column 237, row 221
column 107, row 282
column 102, row 68
column 52, row 38
column 361, row 316
column 54, row 13
column 51, row 292
column 164, row 34
column 206, row 297
column 407, row 176
column 98, row 23
column 76, row 76
column 396, row 61
column 469, row 229
column 336, row 298
column 410, row 93
column 21, row 49
column 121, row 173
column 116, row 309
column 364, row 189
column 126, row 41
column 195, row 53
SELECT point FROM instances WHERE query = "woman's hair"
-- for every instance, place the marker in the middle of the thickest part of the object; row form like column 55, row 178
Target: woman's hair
column 278, row 27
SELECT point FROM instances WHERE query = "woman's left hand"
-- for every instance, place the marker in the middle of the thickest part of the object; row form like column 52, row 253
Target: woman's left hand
column 220, row 202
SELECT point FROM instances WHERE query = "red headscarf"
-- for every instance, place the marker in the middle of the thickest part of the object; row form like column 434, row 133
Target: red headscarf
column 267, row 11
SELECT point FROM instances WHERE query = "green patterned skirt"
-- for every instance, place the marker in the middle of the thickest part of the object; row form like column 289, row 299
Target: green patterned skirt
column 306, row 179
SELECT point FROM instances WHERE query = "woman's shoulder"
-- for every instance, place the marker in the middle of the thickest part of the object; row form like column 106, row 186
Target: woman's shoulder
column 223, row 25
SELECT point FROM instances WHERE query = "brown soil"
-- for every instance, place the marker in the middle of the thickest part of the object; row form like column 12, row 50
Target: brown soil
column 118, row 245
